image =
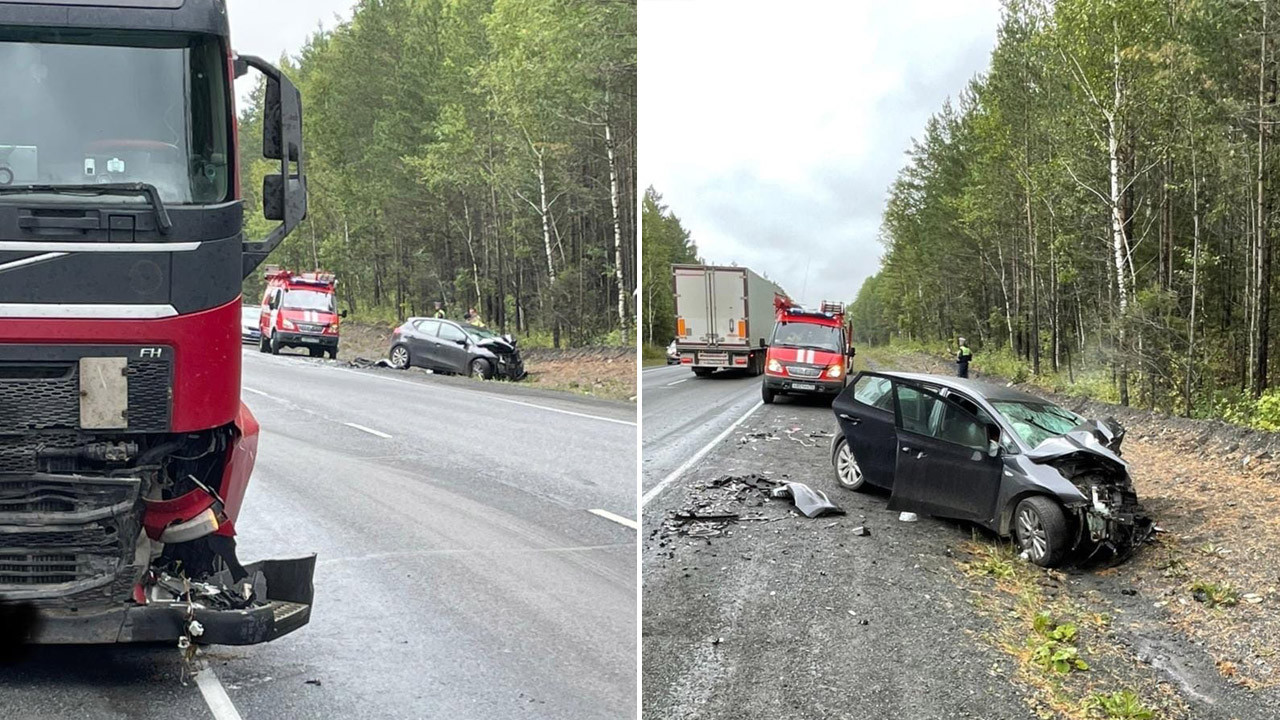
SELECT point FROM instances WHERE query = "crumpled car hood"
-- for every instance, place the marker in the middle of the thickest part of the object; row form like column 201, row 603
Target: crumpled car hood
column 1094, row 437
column 496, row 345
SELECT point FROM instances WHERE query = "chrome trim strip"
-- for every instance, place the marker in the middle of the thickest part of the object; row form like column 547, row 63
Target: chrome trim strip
column 89, row 247
column 30, row 260
column 86, row 311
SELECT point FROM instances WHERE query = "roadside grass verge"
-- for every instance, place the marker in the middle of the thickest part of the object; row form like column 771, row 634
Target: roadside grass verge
column 1060, row 648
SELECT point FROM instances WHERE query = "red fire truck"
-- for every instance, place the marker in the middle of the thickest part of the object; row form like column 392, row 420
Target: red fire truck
column 809, row 352
column 125, row 450
column 299, row 310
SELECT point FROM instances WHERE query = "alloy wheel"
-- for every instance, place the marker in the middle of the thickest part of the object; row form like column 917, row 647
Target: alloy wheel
column 847, row 467
column 1031, row 534
column 400, row 357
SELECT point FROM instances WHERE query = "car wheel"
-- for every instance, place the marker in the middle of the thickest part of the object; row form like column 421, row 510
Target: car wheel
column 264, row 344
column 1040, row 527
column 316, row 352
column 400, row 357
column 333, row 354
column 275, row 344
column 848, row 472
column 480, row 368
column 767, row 395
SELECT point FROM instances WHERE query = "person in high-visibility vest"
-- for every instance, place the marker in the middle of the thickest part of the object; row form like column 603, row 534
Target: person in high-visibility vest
column 439, row 309
column 963, row 356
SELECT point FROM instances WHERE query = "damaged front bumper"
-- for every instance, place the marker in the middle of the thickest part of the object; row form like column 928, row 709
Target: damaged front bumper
column 1111, row 522
column 283, row 596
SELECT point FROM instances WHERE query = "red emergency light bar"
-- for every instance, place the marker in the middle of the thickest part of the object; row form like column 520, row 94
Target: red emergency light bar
column 787, row 309
column 315, row 279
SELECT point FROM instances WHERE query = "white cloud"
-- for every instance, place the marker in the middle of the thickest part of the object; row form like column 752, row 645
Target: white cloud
column 271, row 28
column 773, row 129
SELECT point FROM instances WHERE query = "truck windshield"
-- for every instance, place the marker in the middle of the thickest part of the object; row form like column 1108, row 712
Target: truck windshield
column 309, row 300
column 86, row 107
column 808, row 335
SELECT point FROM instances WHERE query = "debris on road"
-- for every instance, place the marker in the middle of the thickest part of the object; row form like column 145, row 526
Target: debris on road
column 862, row 531
column 362, row 363
column 908, row 517
column 813, row 503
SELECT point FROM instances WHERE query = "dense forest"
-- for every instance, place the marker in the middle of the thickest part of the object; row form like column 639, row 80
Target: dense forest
column 1101, row 199
column 665, row 241
column 476, row 152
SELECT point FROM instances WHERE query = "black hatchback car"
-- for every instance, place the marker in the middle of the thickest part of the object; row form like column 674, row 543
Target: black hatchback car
column 452, row 347
column 1004, row 459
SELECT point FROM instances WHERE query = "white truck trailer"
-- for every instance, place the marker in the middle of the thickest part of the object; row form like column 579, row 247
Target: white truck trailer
column 724, row 316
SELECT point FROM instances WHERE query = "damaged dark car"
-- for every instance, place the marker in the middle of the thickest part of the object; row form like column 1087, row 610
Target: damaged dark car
column 457, row 348
column 993, row 455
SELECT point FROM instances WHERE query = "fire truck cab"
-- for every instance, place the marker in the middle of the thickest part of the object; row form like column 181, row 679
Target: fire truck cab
column 299, row 310
column 809, row 352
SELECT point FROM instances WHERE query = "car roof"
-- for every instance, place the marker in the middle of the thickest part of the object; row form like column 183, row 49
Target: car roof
column 986, row 390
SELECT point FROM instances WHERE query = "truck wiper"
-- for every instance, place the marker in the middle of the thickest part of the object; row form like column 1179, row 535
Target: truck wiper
column 146, row 190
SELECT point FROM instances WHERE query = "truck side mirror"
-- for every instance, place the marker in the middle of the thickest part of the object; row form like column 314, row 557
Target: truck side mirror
column 284, row 195
column 343, row 314
column 853, row 352
column 764, row 343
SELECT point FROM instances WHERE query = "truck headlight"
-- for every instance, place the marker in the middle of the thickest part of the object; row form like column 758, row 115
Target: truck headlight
column 774, row 366
column 835, row 371
column 287, row 325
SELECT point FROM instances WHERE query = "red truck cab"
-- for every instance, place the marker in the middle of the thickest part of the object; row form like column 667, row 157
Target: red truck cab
column 299, row 310
column 809, row 352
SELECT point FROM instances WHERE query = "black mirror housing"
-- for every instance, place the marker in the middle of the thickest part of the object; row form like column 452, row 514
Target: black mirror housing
column 342, row 314
column 284, row 195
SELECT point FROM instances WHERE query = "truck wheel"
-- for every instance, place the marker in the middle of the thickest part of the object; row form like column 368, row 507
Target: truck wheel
column 1041, row 529
column 480, row 367
column 264, row 344
column 767, row 395
column 275, row 344
column 703, row 372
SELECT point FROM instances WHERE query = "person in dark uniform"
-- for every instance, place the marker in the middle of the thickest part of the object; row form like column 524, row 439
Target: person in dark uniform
column 963, row 356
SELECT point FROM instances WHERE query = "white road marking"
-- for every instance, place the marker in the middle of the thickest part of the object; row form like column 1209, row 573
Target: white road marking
column 656, row 490
column 616, row 518
column 371, row 431
column 495, row 398
column 215, row 696
column 259, row 392
column 677, row 382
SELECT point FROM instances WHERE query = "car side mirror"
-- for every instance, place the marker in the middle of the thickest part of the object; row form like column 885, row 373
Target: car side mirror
column 284, row 194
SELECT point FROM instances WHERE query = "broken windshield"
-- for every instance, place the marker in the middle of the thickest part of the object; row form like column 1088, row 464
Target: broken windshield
column 1037, row 422
column 808, row 335
column 88, row 107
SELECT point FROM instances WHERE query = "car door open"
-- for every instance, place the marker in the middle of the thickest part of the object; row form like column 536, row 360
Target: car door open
column 865, row 413
column 944, row 463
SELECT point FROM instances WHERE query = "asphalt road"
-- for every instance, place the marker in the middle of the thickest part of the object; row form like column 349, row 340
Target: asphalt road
column 461, row 573
column 683, row 412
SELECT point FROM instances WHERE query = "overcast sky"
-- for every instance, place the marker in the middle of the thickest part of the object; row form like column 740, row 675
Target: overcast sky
column 773, row 129
column 269, row 28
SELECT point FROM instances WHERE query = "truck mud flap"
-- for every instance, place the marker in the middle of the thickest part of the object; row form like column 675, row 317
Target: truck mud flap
column 285, row 608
